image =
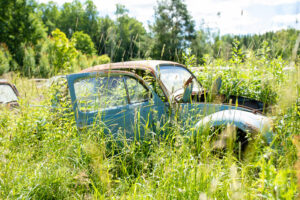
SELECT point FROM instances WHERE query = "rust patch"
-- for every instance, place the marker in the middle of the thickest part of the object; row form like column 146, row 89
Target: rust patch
column 251, row 128
column 149, row 64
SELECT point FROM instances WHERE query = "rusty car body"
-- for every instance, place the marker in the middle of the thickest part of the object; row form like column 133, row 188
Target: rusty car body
column 139, row 95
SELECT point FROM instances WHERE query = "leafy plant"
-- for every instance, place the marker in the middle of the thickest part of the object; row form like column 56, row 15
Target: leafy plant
column 83, row 43
column 5, row 59
column 64, row 51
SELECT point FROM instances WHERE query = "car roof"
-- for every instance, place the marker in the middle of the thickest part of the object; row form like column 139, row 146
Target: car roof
column 141, row 64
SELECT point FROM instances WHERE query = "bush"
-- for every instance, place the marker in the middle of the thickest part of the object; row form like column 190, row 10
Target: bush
column 44, row 66
column 255, row 76
column 45, row 57
column 51, row 56
column 64, row 51
column 5, row 59
column 83, row 43
column 82, row 61
column 99, row 60
column 29, row 65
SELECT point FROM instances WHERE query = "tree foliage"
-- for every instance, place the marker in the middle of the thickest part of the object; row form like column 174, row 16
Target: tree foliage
column 19, row 24
column 280, row 43
column 83, row 43
column 201, row 45
column 50, row 14
column 130, row 35
column 172, row 36
column 173, row 29
column 5, row 59
column 64, row 51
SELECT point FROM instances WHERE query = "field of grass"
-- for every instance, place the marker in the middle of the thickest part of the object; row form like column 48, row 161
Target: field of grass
column 43, row 156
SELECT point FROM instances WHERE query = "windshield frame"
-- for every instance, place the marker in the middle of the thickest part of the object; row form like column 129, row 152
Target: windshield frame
column 170, row 94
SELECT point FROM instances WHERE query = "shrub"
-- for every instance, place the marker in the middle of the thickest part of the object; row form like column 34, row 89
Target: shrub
column 83, row 43
column 103, row 59
column 45, row 58
column 82, row 61
column 5, row 59
column 29, row 65
column 44, row 66
column 64, row 51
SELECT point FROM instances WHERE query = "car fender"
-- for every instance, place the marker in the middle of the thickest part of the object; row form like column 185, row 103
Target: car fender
column 245, row 121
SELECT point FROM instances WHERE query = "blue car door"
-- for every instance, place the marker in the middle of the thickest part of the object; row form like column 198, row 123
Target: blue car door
column 121, row 102
column 147, row 111
column 99, row 97
column 142, row 107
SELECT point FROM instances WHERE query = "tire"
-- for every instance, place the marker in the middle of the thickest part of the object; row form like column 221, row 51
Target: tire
column 229, row 139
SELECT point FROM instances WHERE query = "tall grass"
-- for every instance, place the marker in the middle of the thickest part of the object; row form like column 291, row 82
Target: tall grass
column 43, row 156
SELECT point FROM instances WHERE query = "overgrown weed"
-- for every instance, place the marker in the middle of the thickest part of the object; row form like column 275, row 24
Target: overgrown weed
column 44, row 156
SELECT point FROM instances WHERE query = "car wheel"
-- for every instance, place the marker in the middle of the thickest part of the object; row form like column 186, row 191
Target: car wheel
column 229, row 139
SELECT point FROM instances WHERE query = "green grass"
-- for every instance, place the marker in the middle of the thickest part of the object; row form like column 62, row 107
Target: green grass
column 43, row 156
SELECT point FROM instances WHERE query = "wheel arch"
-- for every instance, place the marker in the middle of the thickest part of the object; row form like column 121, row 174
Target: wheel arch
column 243, row 120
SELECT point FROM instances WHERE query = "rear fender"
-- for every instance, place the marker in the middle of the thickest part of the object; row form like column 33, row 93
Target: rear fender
column 245, row 121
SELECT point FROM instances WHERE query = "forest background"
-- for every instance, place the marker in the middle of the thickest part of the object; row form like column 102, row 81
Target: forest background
column 41, row 40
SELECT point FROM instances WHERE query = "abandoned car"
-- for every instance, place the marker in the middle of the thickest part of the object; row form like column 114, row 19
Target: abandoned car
column 8, row 94
column 138, row 95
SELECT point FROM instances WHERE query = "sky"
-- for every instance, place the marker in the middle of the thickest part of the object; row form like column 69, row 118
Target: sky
column 227, row 16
